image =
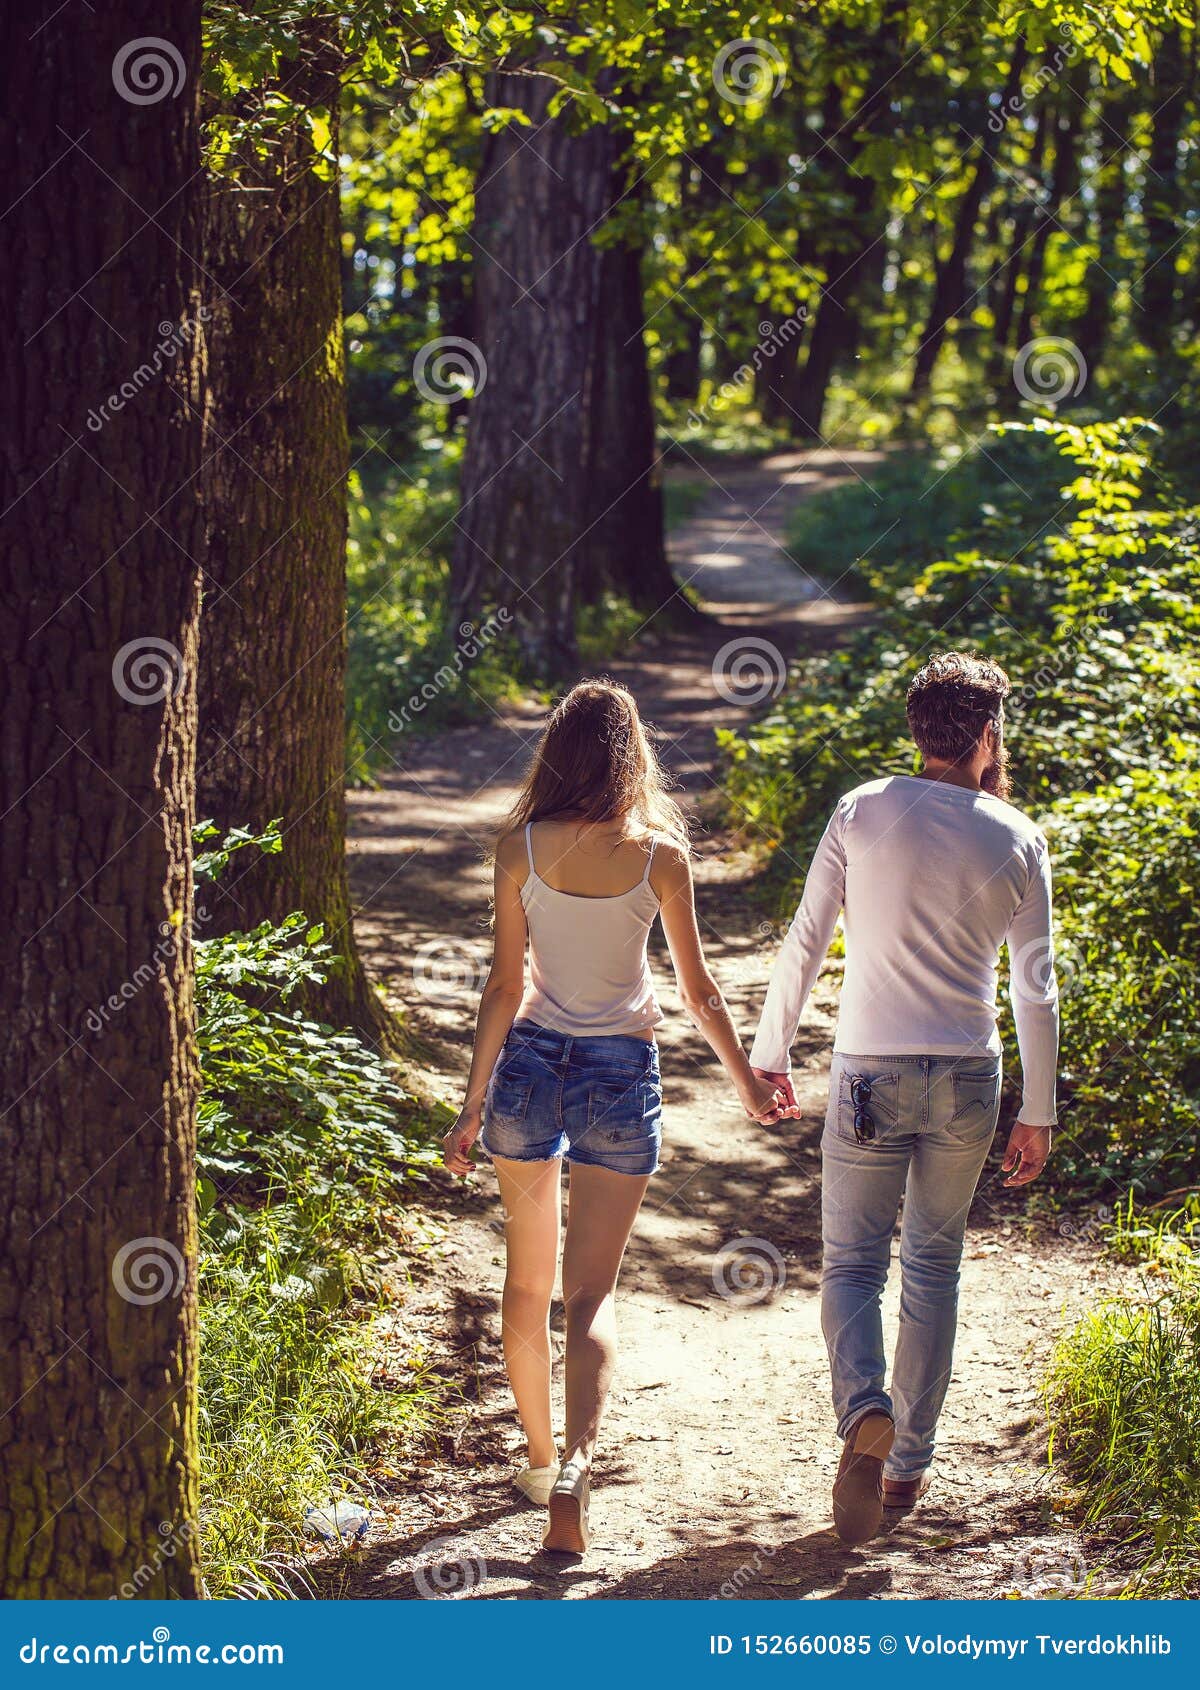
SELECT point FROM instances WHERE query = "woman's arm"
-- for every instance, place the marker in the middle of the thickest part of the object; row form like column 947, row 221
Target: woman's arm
column 671, row 878
column 502, row 994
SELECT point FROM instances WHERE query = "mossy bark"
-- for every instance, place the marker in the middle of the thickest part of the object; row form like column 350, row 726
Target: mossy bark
column 272, row 676
column 100, row 557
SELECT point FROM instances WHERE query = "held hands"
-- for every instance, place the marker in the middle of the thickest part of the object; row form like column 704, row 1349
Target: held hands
column 785, row 1107
column 1027, row 1153
column 456, row 1146
column 766, row 1097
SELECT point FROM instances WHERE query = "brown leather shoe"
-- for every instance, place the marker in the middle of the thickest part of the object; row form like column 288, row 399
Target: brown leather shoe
column 905, row 1493
column 858, row 1488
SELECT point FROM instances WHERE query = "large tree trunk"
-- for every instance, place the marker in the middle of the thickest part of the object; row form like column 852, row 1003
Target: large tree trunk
column 625, row 547
column 700, row 174
column 542, row 463
column 828, row 339
column 847, row 265
column 272, row 681
column 100, row 555
column 950, row 293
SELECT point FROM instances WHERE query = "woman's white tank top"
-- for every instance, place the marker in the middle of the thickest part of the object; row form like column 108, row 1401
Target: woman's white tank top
column 589, row 973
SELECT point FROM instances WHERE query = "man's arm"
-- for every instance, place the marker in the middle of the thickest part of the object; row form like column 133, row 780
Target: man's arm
column 802, row 952
column 1034, row 992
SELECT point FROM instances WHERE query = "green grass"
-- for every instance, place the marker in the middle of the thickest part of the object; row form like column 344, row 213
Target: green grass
column 1123, row 1395
column 290, row 1412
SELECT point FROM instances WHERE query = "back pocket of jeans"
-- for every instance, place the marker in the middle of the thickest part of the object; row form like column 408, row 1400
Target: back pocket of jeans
column 883, row 1107
column 976, row 1097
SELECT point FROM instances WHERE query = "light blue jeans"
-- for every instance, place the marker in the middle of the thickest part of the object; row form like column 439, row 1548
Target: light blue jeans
column 933, row 1119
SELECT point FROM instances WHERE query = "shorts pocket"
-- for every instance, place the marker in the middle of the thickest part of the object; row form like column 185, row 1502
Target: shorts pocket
column 621, row 1106
column 882, row 1107
column 510, row 1095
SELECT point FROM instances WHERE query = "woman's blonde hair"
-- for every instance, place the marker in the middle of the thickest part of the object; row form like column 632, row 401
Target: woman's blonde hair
column 594, row 761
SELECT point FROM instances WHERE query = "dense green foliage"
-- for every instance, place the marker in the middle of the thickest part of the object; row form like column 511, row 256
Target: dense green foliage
column 1086, row 590
column 1123, row 1394
column 302, row 1159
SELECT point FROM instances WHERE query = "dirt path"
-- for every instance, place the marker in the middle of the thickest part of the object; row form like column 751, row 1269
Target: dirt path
column 718, row 1452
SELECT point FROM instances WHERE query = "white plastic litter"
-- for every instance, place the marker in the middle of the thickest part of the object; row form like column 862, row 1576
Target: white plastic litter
column 338, row 1522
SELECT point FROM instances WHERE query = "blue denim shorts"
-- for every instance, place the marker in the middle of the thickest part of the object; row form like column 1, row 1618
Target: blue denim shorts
column 596, row 1101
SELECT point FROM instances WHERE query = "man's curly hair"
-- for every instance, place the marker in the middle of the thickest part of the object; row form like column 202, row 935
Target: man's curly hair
column 952, row 700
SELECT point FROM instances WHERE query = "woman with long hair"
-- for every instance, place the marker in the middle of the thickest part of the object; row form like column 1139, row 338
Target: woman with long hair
column 566, row 1066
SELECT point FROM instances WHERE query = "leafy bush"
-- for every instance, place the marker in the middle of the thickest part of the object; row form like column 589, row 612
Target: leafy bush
column 301, row 1161
column 1091, row 603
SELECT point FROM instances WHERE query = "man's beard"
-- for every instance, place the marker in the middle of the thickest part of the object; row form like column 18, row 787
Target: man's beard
column 995, row 778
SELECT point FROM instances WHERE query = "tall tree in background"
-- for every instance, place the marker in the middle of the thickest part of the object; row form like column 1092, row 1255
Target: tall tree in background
column 272, row 680
column 1159, row 286
column 100, row 556
column 1059, row 196
column 544, row 468
column 951, row 292
column 847, row 260
column 1112, row 116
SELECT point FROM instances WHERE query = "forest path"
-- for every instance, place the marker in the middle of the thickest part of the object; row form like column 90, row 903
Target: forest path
column 718, row 1450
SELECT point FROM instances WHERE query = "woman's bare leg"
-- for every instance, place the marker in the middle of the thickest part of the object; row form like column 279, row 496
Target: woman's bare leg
column 532, row 1196
column 601, row 1211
